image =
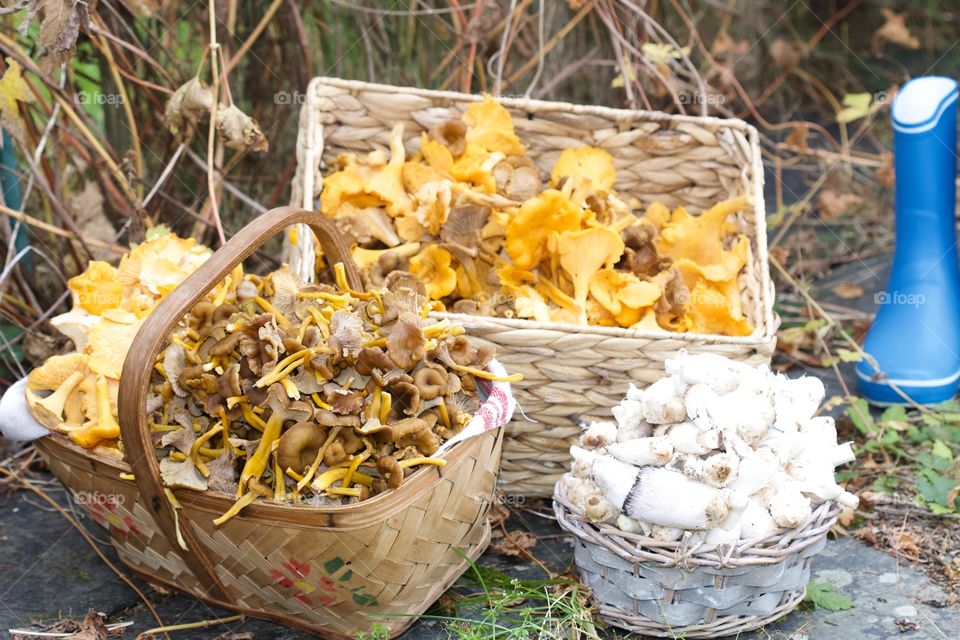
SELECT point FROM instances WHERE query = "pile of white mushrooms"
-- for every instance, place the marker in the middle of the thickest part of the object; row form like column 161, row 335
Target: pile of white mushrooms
column 718, row 451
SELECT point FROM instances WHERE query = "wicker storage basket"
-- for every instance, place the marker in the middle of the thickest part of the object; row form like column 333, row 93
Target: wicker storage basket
column 569, row 372
column 665, row 589
column 331, row 570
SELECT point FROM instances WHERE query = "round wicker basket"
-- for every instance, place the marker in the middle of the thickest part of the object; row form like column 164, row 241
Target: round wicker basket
column 670, row 589
column 570, row 372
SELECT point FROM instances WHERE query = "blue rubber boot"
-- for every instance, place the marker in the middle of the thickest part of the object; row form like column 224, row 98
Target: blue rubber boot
column 915, row 337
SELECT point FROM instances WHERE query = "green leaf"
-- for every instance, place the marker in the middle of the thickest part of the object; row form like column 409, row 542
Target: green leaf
column 822, row 595
column 937, row 509
column 859, row 413
column 941, row 450
column 846, row 355
column 934, row 488
column 886, row 484
column 856, row 106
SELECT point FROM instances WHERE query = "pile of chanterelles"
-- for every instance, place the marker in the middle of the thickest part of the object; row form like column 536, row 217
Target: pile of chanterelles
column 471, row 215
column 312, row 393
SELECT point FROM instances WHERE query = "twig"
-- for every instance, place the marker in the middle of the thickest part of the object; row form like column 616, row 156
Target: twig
column 202, row 624
column 215, row 75
column 39, row 224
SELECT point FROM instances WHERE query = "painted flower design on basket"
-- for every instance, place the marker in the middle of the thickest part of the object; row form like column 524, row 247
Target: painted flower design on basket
column 327, row 589
column 107, row 515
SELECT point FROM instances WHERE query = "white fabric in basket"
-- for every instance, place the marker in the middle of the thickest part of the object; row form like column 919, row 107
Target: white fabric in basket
column 16, row 421
column 495, row 410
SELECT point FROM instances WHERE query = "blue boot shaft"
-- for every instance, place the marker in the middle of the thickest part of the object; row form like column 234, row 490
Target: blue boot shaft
column 915, row 337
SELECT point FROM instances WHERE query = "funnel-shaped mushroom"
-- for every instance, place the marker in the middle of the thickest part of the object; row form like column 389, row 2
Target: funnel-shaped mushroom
column 582, row 254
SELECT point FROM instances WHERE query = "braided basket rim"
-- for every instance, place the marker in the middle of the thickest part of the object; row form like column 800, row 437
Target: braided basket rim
column 637, row 548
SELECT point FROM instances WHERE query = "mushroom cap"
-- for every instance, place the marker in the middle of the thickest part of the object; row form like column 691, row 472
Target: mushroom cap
column 406, row 345
column 586, row 165
column 452, row 134
column 431, row 380
column 55, row 370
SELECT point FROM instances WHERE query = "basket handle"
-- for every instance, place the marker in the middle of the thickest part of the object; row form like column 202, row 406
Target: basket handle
column 139, row 449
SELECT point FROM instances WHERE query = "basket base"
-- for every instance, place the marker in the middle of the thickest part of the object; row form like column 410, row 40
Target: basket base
column 720, row 627
column 396, row 625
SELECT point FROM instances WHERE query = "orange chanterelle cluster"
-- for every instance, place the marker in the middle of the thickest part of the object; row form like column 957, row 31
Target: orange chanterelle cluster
column 471, row 215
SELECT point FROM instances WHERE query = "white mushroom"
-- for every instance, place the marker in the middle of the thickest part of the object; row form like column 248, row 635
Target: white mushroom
column 631, row 525
column 662, row 404
column 756, row 521
column 665, row 534
column 598, row 434
column 582, row 466
column 654, row 452
column 717, row 470
column 789, row 507
column 722, row 374
column 796, row 400
column 687, row 437
column 667, row 498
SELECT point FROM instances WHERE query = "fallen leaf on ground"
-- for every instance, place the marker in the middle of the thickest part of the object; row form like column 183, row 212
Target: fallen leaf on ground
column 905, row 543
column 515, row 543
column 848, row 291
column 92, row 628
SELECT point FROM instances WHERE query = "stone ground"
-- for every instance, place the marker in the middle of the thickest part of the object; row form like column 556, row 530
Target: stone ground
column 48, row 571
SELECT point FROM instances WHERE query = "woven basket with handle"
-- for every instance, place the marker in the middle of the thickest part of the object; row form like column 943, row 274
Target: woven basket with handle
column 668, row 589
column 332, row 570
column 569, row 372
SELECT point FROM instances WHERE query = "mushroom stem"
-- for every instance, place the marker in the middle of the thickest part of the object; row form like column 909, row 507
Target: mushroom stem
column 269, row 308
column 316, row 461
column 245, row 500
column 284, row 368
column 354, row 465
column 106, row 427
column 412, row 462
column 257, row 463
column 54, row 403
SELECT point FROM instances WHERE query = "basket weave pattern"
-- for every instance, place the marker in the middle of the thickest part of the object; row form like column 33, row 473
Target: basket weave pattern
column 570, row 372
column 333, row 570
column 333, row 580
column 665, row 589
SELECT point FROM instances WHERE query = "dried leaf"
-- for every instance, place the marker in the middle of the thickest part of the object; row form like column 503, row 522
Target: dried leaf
column 515, row 543
column 786, row 54
column 894, row 30
column 59, row 27
column 188, row 104
column 92, row 628
column 240, row 131
column 13, row 88
column 87, row 207
column 798, row 136
column 848, row 291
column 907, row 545
column 832, row 203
